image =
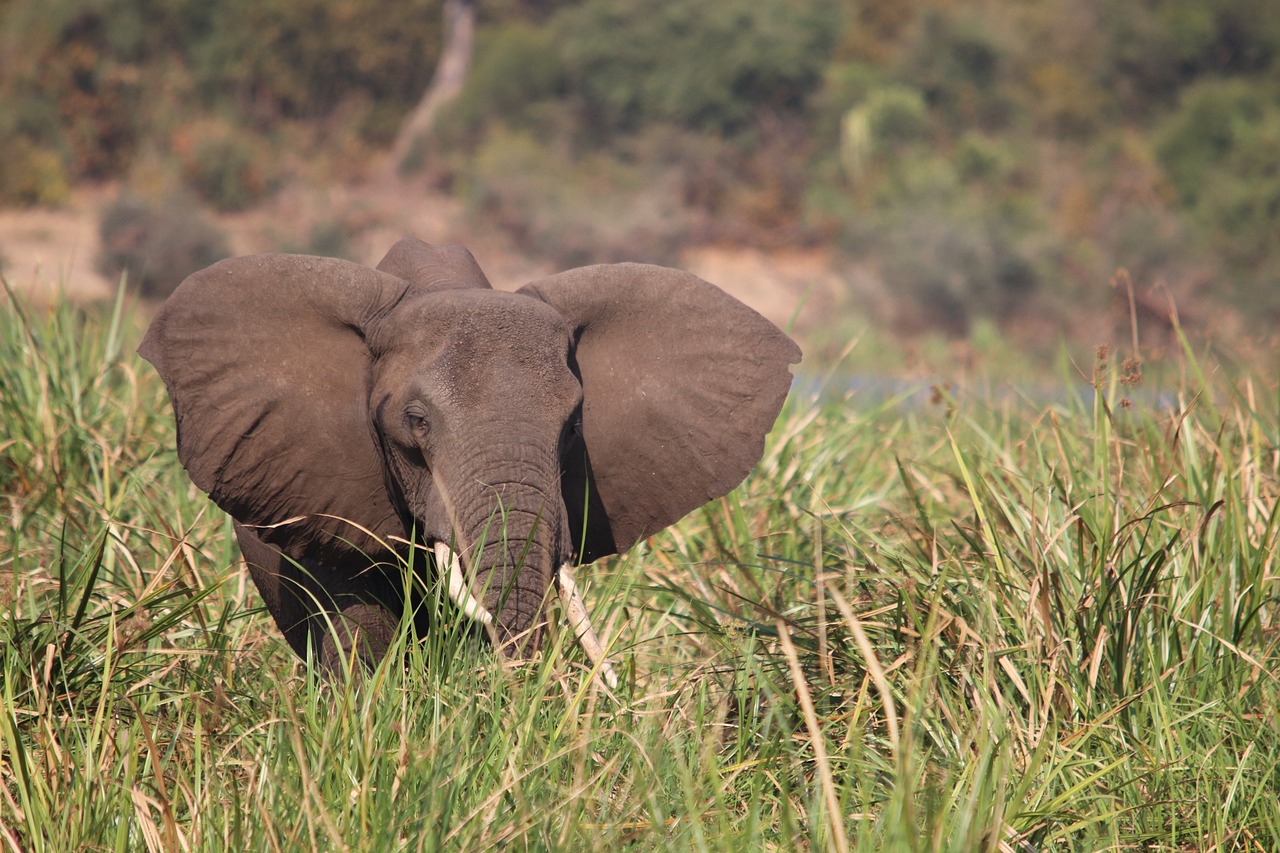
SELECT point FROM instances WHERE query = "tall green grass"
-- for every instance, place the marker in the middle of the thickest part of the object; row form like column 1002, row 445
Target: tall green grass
column 974, row 624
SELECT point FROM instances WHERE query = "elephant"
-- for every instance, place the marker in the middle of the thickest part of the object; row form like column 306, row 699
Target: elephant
column 348, row 418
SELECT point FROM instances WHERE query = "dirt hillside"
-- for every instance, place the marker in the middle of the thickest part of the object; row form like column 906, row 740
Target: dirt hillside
column 47, row 250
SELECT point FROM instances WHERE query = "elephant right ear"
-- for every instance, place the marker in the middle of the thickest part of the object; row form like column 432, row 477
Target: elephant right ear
column 267, row 369
column 680, row 384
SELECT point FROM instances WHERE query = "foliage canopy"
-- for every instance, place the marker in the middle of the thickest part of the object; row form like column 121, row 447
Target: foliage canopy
column 1058, row 140
column 702, row 64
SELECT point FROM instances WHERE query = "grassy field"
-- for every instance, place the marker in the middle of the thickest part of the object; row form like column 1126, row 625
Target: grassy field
column 978, row 623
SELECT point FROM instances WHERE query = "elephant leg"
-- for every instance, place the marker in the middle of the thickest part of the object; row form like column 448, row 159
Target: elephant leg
column 321, row 611
column 285, row 590
column 363, row 631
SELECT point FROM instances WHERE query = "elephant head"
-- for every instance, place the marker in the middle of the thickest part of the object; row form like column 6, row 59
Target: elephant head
column 340, row 413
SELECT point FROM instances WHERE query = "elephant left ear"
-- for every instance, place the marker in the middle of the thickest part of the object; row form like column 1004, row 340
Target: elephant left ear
column 681, row 382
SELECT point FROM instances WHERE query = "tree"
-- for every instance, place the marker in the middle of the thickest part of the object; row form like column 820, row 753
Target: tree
column 705, row 64
column 446, row 85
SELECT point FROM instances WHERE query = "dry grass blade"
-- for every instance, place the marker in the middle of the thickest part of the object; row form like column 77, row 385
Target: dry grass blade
column 872, row 661
column 835, row 814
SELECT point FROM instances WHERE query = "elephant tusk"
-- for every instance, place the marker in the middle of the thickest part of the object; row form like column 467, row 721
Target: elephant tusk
column 459, row 589
column 570, row 596
column 580, row 622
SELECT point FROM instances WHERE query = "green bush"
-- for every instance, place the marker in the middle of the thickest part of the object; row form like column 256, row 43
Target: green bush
column 1152, row 51
column 896, row 115
column 308, row 57
column 979, row 157
column 890, row 119
column 328, row 238
column 517, row 67
column 713, row 64
column 953, row 267
column 97, row 80
column 963, row 64
column 1217, row 125
column 593, row 210
column 1067, row 101
column 157, row 244
column 70, row 83
column 31, row 174
column 226, row 166
column 844, row 86
column 1220, row 152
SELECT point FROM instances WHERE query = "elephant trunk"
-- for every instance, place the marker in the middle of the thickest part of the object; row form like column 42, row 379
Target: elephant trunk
column 510, row 538
column 510, row 541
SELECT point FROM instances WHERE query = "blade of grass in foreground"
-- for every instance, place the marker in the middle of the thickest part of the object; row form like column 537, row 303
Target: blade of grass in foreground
column 983, row 625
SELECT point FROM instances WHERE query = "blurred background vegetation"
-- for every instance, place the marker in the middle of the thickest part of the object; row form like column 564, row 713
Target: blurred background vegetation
column 990, row 163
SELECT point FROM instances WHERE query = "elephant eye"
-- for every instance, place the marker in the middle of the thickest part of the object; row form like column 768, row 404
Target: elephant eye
column 417, row 422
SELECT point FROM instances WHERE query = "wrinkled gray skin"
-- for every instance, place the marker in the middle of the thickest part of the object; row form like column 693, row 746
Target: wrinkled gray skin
column 338, row 413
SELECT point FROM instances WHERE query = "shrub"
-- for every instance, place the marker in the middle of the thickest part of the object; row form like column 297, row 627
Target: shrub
column 1151, row 51
column 226, row 166
column 1066, row 101
column 979, row 157
column 157, row 244
column 328, row 238
column 310, row 56
column 516, row 67
column 888, row 120
column 97, row 81
column 576, row 212
column 963, row 66
column 953, row 269
column 1214, row 120
column 896, row 115
column 32, row 174
column 1219, row 151
column 696, row 63
column 845, row 85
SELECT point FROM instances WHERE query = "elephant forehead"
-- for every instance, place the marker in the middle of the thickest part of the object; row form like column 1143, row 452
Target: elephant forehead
column 470, row 313
column 463, row 343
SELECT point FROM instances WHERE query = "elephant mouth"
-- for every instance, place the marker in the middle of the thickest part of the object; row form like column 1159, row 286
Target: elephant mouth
column 575, row 609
